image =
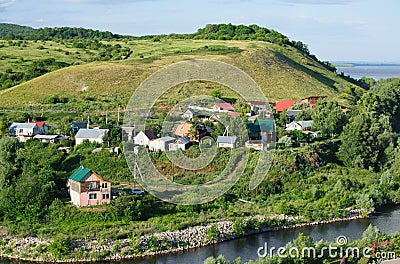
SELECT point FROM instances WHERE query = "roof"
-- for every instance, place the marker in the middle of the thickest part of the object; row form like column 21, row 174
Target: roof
column 79, row 124
column 23, row 125
column 305, row 124
column 225, row 106
column 226, row 139
column 259, row 103
column 233, row 114
column 39, row 124
column 183, row 140
column 149, row 134
column 46, row 136
column 191, row 111
column 166, row 139
column 285, row 104
column 183, row 129
column 91, row 133
column 79, row 174
column 261, row 125
column 293, row 112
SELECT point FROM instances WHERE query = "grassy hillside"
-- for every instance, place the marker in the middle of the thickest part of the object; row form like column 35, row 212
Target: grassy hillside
column 282, row 72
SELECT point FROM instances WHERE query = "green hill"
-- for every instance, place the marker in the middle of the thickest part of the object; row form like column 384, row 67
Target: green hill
column 283, row 69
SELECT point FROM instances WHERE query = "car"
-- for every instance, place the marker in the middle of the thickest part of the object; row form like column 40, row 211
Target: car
column 137, row 191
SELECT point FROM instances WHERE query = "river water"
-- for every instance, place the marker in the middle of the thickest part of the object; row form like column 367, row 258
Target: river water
column 377, row 72
column 387, row 220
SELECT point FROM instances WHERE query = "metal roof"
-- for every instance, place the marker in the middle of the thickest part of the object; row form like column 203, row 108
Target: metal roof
column 79, row 174
column 226, row 139
column 91, row 133
column 23, row 125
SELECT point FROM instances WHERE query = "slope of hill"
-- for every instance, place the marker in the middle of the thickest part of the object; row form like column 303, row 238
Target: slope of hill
column 283, row 71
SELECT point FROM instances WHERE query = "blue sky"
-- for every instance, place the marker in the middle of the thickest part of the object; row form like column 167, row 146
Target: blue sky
column 335, row 30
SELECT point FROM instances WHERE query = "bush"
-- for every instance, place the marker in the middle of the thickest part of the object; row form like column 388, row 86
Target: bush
column 60, row 248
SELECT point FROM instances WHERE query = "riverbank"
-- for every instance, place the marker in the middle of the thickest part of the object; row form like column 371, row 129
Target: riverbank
column 43, row 250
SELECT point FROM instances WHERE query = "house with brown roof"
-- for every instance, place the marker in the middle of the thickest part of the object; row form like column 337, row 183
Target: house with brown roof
column 223, row 107
column 182, row 130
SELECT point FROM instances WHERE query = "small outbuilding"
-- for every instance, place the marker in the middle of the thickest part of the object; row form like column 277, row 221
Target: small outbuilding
column 226, row 142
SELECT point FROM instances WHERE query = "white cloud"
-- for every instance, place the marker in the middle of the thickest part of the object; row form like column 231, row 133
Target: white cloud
column 318, row 2
column 40, row 20
column 6, row 3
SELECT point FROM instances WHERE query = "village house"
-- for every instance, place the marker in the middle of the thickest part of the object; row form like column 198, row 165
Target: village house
column 48, row 138
column 299, row 125
column 261, row 129
column 258, row 106
column 24, row 131
column 87, row 188
column 144, row 137
column 223, row 107
column 75, row 126
column 226, row 142
column 182, row 130
column 92, row 135
column 284, row 105
column 181, row 143
column 161, row 144
column 312, row 100
column 189, row 114
column 128, row 133
column 292, row 114
column 255, row 144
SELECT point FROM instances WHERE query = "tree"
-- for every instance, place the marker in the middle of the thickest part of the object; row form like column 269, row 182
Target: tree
column 328, row 118
column 364, row 141
column 9, row 163
column 216, row 93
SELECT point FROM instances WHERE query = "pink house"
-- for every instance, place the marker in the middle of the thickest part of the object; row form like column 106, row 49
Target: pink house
column 87, row 188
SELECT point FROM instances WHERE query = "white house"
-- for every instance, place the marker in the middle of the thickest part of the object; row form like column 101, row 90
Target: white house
column 161, row 143
column 93, row 135
column 189, row 114
column 181, row 143
column 24, row 131
column 256, row 144
column 299, row 125
column 144, row 137
column 226, row 142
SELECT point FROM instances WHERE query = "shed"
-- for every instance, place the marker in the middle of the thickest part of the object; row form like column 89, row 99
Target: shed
column 226, row 142
column 161, row 144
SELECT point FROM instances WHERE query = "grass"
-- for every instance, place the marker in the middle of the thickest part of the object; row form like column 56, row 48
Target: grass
column 281, row 72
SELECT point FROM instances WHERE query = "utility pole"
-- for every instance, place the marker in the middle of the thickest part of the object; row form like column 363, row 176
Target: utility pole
column 88, row 122
column 118, row 116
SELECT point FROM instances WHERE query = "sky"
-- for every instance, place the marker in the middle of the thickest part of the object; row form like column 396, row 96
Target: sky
column 335, row 30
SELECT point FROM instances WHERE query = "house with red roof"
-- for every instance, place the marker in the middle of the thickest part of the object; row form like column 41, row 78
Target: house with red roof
column 43, row 127
column 285, row 104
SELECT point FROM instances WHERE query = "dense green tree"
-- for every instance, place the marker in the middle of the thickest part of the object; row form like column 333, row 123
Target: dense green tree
column 10, row 164
column 216, row 93
column 364, row 141
column 328, row 118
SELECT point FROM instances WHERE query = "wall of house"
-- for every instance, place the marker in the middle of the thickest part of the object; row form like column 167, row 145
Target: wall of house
column 226, row 145
column 80, row 140
column 75, row 197
column 141, row 139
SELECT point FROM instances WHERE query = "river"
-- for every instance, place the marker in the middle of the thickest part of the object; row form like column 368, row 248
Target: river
column 374, row 71
column 387, row 220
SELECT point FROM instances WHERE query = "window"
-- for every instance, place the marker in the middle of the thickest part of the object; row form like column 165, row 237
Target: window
column 92, row 185
column 104, row 185
column 21, row 131
column 93, row 196
column 106, row 196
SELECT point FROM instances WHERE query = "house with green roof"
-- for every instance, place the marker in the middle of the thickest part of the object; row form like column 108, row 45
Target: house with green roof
column 87, row 188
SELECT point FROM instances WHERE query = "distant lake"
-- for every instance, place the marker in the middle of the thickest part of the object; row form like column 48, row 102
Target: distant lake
column 377, row 72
